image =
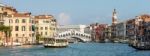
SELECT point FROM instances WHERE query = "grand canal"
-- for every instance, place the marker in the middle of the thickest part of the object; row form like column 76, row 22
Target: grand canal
column 78, row 49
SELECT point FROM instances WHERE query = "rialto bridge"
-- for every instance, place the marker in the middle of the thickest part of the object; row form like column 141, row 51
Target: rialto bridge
column 75, row 34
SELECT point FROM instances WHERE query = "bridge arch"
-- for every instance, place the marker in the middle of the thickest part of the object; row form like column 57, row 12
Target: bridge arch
column 80, row 40
column 75, row 34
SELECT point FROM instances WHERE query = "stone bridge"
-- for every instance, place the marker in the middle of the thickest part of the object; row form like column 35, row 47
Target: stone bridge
column 75, row 34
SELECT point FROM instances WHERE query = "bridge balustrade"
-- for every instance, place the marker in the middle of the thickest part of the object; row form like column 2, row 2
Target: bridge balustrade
column 68, row 34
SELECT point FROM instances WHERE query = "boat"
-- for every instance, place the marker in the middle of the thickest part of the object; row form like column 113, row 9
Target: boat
column 141, row 46
column 124, row 41
column 13, row 44
column 107, row 41
column 55, row 42
column 116, row 41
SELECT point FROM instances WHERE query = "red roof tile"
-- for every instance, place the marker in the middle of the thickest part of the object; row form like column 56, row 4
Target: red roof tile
column 27, row 14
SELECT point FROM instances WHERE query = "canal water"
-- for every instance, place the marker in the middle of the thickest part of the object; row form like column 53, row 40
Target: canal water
column 78, row 49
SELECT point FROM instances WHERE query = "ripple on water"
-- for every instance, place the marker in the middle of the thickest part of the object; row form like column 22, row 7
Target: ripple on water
column 80, row 49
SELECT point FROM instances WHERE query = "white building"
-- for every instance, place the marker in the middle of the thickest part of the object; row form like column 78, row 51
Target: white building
column 121, row 30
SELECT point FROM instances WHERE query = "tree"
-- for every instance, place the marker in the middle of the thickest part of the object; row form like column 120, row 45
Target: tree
column 7, row 30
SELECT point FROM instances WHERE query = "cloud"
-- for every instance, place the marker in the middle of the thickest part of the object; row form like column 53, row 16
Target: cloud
column 63, row 18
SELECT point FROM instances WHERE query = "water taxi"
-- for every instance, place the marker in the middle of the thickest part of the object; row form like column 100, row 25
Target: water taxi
column 55, row 42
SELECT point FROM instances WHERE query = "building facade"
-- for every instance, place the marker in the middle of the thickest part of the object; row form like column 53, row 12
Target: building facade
column 21, row 25
column 1, row 23
column 45, row 25
column 138, row 28
column 107, row 32
column 121, row 30
column 98, row 32
column 88, row 30
column 143, row 26
column 1, row 14
column 5, row 13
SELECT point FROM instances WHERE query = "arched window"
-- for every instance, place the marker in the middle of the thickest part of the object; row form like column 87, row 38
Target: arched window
column 16, row 21
column 76, row 33
column 68, row 33
column 72, row 33
column 64, row 35
column 81, row 34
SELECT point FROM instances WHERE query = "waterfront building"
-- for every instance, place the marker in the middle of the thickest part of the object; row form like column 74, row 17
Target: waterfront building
column 138, row 27
column 1, row 22
column 130, row 28
column 107, row 32
column 98, row 32
column 88, row 30
column 95, row 32
column 21, row 25
column 1, row 14
column 45, row 25
column 9, row 10
column 121, row 31
column 93, row 26
column 101, row 31
column 143, row 28
column 5, row 11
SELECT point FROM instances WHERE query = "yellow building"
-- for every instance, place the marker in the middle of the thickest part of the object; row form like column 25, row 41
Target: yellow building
column 21, row 24
column 1, row 22
column 45, row 25
column 4, row 12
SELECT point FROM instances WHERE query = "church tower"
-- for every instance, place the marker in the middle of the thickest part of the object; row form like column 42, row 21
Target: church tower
column 114, row 17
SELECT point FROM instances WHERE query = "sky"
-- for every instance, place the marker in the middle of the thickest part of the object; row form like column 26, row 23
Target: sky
column 83, row 11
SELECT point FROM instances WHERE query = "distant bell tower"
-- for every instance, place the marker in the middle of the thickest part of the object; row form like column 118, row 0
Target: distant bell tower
column 114, row 17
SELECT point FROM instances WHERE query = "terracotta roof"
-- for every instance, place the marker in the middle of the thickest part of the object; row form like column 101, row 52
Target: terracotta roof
column 43, row 17
column 26, row 14
column 145, row 16
column 10, row 8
